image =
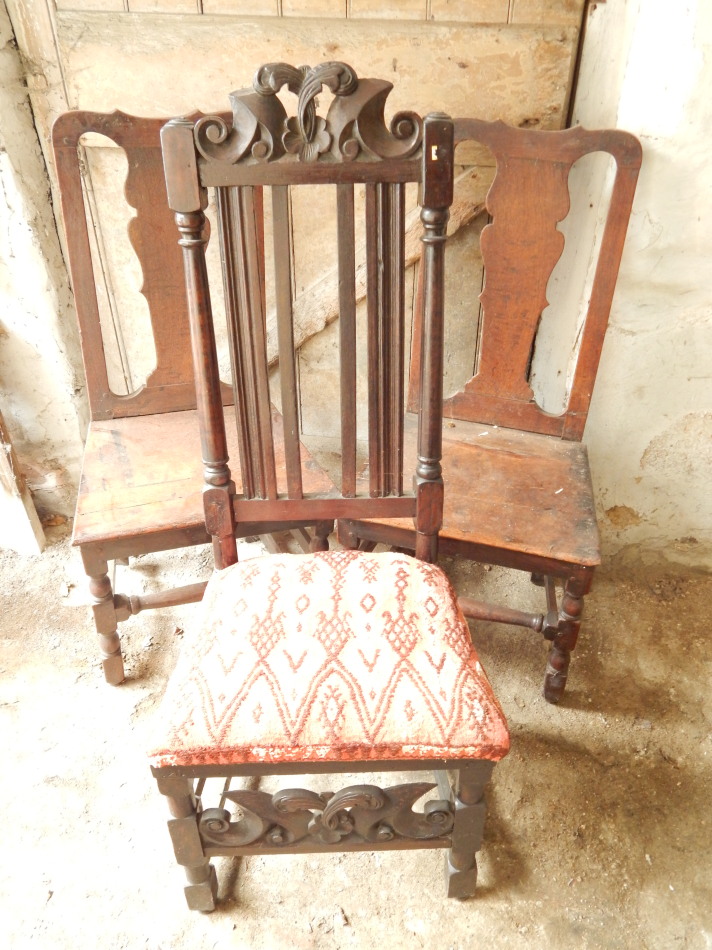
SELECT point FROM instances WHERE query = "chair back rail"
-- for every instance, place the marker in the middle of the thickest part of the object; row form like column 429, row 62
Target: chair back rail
column 520, row 248
column 352, row 146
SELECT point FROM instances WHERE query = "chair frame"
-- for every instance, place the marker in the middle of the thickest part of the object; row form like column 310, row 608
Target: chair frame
column 170, row 388
column 209, row 153
column 499, row 394
column 454, row 822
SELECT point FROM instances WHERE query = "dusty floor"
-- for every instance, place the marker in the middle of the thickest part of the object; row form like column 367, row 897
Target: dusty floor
column 599, row 830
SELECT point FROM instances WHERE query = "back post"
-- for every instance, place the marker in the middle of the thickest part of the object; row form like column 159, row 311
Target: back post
column 435, row 200
column 188, row 199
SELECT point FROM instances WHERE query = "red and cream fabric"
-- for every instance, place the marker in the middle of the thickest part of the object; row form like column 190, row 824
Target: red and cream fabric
column 340, row 655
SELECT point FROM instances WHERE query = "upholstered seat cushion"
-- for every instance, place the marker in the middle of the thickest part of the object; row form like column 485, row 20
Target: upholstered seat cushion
column 335, row 656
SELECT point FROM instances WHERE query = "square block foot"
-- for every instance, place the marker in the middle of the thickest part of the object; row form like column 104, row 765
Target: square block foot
column 113, row 667
column 460, row 884
column 202, row 896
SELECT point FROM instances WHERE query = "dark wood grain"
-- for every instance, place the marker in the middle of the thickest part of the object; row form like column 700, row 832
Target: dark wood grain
column 354, row 145
column 265, row 147
column 519, row 491
column 347, row 335
column 169, row 386
column 285, row 335
column 240, row 225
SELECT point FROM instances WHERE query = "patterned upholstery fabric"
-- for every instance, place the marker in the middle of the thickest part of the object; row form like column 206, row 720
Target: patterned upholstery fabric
column 335, row 656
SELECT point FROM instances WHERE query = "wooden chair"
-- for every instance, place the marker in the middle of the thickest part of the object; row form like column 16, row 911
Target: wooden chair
column 519, row 490
column 140, row 489
column 338, row 661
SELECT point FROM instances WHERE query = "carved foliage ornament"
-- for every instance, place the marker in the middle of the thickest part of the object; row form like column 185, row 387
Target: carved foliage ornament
column 359, row 812
column 354, row 127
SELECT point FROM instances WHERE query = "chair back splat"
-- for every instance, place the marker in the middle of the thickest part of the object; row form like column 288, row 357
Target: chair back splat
column 352, row 146
column 338, row 661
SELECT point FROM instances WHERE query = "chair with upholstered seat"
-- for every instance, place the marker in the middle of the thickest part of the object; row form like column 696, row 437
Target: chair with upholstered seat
column 520, row 493
column 336, row 661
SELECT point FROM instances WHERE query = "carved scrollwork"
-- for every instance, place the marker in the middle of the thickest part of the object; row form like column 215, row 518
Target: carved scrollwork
column 359, row 813
column 354, row 126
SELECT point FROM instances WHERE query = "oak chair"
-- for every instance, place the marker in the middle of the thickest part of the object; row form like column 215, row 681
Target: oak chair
column 519, row 490
column 337, row 661
column 140, row 489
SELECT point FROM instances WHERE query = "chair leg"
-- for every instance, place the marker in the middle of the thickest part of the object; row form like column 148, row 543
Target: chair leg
column 347, row 536
column 202, row 887
column 320, row 540
column 104, row 616
column 470, row 811
column 564, row 640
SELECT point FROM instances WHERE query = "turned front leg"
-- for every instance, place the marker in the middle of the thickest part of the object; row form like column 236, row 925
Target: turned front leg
column 320, row 539
column 564, row 640
column 470, row 811
column 105, row 618
column 201, row 890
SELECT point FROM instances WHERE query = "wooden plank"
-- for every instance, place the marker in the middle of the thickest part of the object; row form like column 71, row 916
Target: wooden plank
column 374, row 381
column 285, row 330
column 388, row 9
column 470, row 11
column 394, row 325
column 524, row 68
column 297, row 173
column 241, row 259
column 347, row 336
column 562, row 12
column 314, row 8
column 103, row 6
column 164, row 6
column 264, row 8
column 324, row 508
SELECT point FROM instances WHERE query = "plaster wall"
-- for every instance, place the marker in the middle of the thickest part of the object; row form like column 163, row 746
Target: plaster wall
column 39, row 355
column 647, row 68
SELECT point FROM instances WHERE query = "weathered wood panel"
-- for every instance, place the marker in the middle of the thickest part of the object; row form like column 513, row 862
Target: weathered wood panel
column 242, row 7
column 471, row 11
column 163, row 6
column 103, row 6
column 518, row 73
column 388, row 9
column 563, row 12
column 314, row 8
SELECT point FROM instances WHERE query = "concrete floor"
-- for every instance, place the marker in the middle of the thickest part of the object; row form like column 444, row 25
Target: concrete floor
column 598, row 833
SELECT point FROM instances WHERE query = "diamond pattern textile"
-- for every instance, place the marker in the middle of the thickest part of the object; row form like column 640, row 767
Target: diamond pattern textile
column 335, row 656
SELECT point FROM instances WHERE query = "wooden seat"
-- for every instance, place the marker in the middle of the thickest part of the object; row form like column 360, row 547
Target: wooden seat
column 156, row 478
column 516, row 472
column 140, row 488
column 519, row 491
column 336, row 661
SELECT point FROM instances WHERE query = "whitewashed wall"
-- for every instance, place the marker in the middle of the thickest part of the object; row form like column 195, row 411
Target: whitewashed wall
column 647, row 67
column 40, row 366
